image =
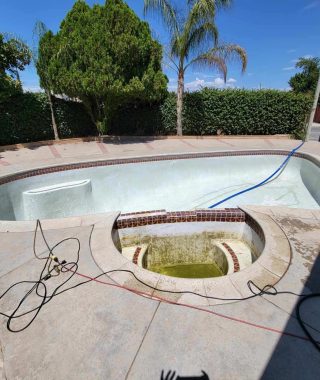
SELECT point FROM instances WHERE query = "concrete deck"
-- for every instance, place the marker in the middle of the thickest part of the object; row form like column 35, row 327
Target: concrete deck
column 315, row 132
column 97, row 331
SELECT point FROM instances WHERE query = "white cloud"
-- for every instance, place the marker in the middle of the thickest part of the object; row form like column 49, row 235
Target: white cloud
column 216, row 83
column 294, row 60
column 291, row 51
column 311, row 5
column 32, row 89
column 199, row 83
column 196, row 84
column 308, row 56
column 288, row 68
column 250, row 74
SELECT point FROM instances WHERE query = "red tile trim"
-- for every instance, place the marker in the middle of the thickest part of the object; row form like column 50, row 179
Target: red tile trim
column 150, row 218
column 124, row 161
column 236, row 265
column 136, row 255
column 54, row 151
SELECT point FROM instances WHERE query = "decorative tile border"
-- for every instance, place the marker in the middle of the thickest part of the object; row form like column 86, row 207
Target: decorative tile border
column 236, row 265
column 233, row 215
column 123, row 161
column 136, row 256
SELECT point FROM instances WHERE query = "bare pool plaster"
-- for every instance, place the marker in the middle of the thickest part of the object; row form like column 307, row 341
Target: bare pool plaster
column 80, row 189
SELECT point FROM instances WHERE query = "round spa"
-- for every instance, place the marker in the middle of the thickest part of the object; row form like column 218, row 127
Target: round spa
column 172, row 246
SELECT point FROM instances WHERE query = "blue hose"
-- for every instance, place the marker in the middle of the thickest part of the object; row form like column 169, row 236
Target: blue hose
column 263, row 182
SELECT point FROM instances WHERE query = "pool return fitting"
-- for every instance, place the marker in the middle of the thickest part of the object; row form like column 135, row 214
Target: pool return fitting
column 53, row 267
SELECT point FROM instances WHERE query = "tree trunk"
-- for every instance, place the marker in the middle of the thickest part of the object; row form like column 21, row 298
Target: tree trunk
column 53, row 119
column 180, row 102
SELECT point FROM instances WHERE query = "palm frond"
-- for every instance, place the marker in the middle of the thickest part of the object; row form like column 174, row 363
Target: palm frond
column 207, row 33
column 202, row 11
column 217, row 3
column 232, row 52
column 166, row 10
column 175, row 46
column 210, row 60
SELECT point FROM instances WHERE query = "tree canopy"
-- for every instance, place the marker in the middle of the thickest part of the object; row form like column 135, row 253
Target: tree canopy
column 14, row 56
column 104, row 56
column 306, row 81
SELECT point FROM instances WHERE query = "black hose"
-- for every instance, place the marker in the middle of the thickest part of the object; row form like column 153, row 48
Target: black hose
column 302, row 323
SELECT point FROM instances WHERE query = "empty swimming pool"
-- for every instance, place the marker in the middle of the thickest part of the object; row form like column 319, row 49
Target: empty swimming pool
column 183, row 182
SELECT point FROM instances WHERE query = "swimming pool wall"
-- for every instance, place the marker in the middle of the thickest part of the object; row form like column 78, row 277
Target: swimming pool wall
column 14, row 188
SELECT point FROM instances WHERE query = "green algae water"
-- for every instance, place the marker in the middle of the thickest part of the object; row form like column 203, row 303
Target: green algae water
column 189, row 270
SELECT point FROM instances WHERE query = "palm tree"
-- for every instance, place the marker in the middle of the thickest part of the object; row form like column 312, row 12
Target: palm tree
column 194, row 40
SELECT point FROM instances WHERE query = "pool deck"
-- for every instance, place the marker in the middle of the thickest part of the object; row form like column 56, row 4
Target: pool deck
column 98, row 331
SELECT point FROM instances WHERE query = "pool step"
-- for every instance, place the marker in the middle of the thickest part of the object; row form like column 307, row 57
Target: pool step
column 64, row 199
column 135, row 253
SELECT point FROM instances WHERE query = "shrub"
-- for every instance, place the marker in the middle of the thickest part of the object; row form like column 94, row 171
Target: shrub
column 26, row 118
column 238, row 112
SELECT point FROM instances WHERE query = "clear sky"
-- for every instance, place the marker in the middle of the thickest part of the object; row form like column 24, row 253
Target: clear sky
column 274, row 33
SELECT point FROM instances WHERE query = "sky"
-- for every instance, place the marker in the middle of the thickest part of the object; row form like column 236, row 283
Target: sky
column 275, row 33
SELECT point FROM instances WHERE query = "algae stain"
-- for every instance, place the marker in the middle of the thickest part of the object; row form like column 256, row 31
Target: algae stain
column 189, row 270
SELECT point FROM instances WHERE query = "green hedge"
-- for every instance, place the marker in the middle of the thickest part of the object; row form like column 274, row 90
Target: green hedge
column 238, row 112
column 26, row 118
column 213, row 111
column 137, row 120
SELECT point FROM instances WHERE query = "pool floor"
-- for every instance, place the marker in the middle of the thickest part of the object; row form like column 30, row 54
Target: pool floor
column 189, row 270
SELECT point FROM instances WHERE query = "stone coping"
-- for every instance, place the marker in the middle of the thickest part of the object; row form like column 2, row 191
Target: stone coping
column 268, row 269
